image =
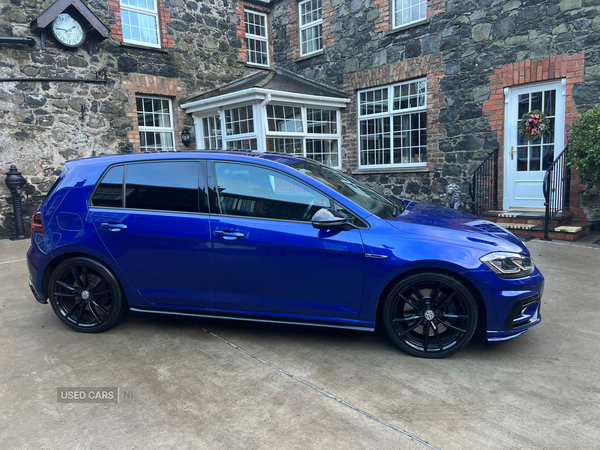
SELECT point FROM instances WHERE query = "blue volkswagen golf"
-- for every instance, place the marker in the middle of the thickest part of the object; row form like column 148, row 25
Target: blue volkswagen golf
column 275, row 238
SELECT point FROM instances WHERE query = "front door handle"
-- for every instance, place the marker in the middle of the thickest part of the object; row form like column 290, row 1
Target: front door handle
column 114, row 226
column 229, row 235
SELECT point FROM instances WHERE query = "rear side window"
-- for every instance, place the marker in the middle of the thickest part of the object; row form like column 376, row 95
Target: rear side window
column 163, row 186
column 109, row 193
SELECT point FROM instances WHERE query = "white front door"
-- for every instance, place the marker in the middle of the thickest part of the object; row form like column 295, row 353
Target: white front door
column 525, row 160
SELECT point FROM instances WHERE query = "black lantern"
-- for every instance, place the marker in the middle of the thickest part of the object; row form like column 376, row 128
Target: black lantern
column 14, row 182
column 186, row 138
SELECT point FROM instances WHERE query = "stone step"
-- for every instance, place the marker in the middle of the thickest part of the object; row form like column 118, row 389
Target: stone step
column 570, row 232
column 527, row 217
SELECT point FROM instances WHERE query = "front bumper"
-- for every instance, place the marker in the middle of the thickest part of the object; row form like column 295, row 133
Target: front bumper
column 513, row 307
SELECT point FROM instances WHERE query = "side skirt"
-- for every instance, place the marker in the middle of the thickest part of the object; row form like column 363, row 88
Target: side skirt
column 347, row 327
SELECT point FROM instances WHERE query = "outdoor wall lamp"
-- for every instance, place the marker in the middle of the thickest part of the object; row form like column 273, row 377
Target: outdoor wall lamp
column 186, row 138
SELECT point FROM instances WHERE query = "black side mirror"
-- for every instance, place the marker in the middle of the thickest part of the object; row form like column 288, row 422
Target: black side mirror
column 327, row 219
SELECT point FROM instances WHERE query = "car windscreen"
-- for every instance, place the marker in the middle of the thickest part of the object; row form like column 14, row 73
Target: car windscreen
column 362, row 195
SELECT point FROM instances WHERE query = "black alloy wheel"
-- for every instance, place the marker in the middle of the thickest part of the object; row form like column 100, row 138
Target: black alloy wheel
column 85, row 295
column 430, row 315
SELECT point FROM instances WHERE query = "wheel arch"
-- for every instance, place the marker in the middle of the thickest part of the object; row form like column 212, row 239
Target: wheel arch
column 481, row 309
column 74, row 254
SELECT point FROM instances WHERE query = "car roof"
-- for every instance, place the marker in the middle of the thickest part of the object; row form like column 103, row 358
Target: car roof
column 281, row 158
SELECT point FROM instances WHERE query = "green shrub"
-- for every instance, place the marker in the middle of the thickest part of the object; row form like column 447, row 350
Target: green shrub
column 584, row 146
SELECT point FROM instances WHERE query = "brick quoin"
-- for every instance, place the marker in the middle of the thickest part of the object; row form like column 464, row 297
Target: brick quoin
column 157, row 86
column 241, row 28
column 164, row 17
column 555, row 67
column 292, row 29
column 430, row 67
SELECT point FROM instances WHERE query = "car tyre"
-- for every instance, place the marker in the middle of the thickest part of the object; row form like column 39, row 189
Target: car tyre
column 86, row 296
column 430, row 315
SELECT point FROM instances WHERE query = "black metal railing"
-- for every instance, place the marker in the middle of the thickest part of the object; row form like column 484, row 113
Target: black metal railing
column 483, row 185
column 557, row 189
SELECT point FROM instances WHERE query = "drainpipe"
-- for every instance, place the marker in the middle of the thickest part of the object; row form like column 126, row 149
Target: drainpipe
column 265, row 101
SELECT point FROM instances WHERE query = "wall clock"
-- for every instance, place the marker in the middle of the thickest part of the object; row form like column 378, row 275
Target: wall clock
column 68, row 31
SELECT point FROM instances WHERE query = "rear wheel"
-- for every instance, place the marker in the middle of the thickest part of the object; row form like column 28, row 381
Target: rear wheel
column 86, row 295
column 430, row 315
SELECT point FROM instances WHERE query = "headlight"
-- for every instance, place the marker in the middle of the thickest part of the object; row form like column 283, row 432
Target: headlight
column 509, row 265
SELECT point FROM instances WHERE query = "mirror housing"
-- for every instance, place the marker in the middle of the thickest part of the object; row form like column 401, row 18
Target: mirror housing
column 327, row 219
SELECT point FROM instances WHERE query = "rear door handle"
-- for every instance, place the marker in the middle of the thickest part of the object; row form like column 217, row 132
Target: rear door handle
column 229, row 235
column 114, row 226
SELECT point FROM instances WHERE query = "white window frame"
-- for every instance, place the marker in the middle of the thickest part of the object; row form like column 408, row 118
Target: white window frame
column 171, row 129
column 240, row 137
column 390, row 113
column 407, row 24
column 216, row 137
column 257, row 37
column 148, row 12
column 304, row 135
column 312, row 24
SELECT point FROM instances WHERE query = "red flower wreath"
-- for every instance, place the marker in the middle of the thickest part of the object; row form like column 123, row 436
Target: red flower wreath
column 534, row 125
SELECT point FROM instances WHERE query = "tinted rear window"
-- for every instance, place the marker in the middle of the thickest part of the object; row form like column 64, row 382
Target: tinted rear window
column 164, row 186
column 109, row 193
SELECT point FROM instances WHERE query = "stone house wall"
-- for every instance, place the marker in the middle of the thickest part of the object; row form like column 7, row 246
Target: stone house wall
column 463, row 49
column 41, row 123
column 473, row 41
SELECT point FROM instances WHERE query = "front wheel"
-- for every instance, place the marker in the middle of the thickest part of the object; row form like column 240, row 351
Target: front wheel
column 86, row 295
column 430, row 315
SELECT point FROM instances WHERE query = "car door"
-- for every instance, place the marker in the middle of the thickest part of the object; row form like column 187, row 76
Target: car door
column 153, row 219
column 268, row 257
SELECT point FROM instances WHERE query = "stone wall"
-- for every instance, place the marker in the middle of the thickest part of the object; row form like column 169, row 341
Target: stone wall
column 41, row 123
column 472, row 39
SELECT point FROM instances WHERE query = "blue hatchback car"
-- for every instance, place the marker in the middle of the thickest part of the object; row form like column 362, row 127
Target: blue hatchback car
column 276, row 238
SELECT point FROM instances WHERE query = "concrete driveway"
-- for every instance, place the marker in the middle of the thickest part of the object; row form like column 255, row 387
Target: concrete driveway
column 218, row 384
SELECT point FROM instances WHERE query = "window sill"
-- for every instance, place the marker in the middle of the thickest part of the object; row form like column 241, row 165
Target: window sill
column 256, row 66
column 388, row 170
column 312, row 55
column 143, row 47
column 407, row 26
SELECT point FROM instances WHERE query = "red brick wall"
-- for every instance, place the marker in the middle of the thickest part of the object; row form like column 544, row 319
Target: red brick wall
column 292, row 29
column 430, row 67
column 151, row 85
column 241, row 29
column 529, row 71
column 384, row 22
column 164, row 16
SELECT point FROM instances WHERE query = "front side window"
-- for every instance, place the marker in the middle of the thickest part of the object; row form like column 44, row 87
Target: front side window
column 253, row 191
column 155, row 122
column 257, row 40
column 311, row 27
column 408, row 11
column 139, row 22
column 393, row 125
column 353, row 190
